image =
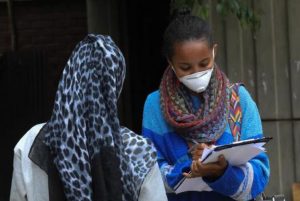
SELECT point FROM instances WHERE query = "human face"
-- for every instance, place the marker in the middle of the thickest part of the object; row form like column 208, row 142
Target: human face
column 191, row 57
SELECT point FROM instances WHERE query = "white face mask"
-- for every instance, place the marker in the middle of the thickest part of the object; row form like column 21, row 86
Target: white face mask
column 199, row 81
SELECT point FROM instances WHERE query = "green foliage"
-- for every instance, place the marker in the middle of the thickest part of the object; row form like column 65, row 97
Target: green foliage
column 244, row 13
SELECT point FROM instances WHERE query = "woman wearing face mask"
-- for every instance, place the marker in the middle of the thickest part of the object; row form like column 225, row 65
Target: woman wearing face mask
column 197, row 106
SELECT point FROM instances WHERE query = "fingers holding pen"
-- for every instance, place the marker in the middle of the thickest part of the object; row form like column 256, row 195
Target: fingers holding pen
column 197, row 150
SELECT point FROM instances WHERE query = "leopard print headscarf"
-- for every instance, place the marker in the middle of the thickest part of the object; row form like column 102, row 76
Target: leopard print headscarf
column 84, row 122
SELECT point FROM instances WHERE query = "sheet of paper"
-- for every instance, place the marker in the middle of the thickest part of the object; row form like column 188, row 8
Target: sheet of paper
column 238, row 155
column 193, row 184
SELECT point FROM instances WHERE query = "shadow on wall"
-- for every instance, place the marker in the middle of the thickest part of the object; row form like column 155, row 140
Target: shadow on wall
column 146, row 24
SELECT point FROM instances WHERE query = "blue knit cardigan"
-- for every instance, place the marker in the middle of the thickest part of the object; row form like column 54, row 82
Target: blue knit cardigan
column 237, row 183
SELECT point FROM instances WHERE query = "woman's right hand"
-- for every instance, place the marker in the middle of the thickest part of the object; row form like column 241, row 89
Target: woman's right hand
column 197, row 150
column 198, row 169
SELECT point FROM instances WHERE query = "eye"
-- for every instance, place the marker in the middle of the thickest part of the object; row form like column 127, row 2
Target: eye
column 184, row 67
column 204, row 63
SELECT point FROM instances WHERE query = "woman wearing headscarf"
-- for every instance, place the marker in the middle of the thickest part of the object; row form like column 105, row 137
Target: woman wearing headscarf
column 82, row 153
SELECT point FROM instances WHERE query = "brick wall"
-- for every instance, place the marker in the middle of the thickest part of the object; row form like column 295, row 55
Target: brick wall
column 53, row 27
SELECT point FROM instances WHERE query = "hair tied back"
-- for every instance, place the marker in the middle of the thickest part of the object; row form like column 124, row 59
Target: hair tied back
column 181, row 12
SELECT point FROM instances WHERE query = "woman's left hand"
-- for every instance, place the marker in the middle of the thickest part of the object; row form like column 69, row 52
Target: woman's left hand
column 212, row 170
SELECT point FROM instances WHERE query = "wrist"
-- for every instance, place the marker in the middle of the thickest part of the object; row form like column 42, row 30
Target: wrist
column 215, row 176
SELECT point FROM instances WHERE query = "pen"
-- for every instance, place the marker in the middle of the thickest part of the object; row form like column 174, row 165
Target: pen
column 195, row 143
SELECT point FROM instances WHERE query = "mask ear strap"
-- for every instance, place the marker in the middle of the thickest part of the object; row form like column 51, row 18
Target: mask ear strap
column 173, row 69
column 213, row 53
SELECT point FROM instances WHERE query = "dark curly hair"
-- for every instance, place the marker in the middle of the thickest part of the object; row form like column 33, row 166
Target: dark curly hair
column 185, row 27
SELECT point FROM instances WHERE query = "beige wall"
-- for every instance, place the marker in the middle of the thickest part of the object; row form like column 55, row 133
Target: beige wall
column 268, row 63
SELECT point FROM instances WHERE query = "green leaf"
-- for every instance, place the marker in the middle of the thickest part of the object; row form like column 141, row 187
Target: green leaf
column 219, row 8
column 245, row 14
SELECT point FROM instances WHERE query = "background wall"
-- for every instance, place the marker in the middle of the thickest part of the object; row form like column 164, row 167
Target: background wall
column 268, row 63
column 47, row 32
